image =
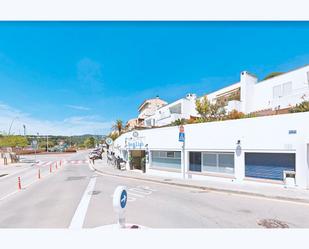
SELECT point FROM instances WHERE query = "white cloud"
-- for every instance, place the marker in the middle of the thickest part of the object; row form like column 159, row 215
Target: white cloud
column 70, row 126
column 78, row 107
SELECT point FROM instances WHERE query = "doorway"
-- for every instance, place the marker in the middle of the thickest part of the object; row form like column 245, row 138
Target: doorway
column 138, row 160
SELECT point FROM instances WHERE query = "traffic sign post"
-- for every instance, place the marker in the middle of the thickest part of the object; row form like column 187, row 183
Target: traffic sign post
column 119, row 203
column 34, row 145
column 182, row 139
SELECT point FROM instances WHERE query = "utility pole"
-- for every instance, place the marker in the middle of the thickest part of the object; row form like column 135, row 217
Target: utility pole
column 46, row 143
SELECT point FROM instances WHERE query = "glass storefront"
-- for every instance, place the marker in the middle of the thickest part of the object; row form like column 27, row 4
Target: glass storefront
column 166, row 159
column 220, row 162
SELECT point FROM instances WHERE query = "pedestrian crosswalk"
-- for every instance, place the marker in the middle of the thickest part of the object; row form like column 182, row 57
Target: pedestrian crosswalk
column 47, row 163
column 44, row 163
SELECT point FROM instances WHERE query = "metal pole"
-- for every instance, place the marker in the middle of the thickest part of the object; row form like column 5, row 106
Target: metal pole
column 46, row 143
column 183, row 160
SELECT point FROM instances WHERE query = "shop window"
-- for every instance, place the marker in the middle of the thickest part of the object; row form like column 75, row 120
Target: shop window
column 195, row 161
column 211, row 162
column 166, row 159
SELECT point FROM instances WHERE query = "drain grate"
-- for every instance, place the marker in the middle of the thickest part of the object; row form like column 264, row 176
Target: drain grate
column 3, row 175
column 75, row 178
column 94, row 192
column 272, row 223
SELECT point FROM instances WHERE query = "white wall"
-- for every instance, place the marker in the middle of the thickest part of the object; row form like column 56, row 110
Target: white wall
column 262, row 94
column 263, row 134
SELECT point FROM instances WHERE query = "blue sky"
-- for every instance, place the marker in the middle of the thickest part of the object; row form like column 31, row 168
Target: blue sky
column 78, row 77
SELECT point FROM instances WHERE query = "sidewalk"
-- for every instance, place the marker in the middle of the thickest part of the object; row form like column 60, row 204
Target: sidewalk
column 246, row 188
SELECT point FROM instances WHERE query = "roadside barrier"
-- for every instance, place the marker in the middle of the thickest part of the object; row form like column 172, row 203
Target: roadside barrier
column 19, row 183
column 39, row 174
column 56, row 166
column 60, row 163
column 50, row 168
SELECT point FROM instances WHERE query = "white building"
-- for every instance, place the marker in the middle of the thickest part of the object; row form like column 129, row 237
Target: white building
column 254, row 149
column 145, row 110
column 278, row 93
column 181, row 109
column 149, row 106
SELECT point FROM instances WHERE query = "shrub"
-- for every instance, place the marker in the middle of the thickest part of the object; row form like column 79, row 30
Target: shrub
column 302, row 107
column 235, row 115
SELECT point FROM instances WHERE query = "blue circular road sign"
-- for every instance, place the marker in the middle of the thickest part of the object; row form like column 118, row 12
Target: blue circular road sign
column 123, row 199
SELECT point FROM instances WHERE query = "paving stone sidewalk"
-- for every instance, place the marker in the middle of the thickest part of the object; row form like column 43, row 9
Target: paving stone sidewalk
column 246, row 188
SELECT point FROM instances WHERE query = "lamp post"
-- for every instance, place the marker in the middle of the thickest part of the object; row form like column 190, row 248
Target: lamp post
column 24, row 126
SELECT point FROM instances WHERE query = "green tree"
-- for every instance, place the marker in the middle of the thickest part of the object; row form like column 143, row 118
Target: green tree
column 89, row 142
column 208, row 110
column 271, row 75
column 179, row 122
column 13, row 141
column 118, row 126
column 203, row 107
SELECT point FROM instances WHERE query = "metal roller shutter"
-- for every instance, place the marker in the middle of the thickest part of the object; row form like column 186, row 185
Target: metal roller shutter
column 268, row 165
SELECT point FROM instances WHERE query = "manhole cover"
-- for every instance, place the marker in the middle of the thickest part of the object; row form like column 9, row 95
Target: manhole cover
column 75, row 178
column 94, row 192
column 272, row 223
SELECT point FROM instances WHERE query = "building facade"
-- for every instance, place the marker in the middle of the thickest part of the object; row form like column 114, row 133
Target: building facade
column 269, row 96
column 273, row 147
column 181, row 109
column 145, row 110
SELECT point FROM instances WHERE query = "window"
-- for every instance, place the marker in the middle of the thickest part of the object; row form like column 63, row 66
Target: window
column 277, row 91
column 195, row 161
column 220, row 162
column 287, row 89
column 166, row 159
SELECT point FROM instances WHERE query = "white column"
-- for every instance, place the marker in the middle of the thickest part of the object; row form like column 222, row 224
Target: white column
column 301, row 166
column 239, row 164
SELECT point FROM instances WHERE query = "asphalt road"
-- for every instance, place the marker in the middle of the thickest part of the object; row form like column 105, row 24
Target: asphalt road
column 73, row 196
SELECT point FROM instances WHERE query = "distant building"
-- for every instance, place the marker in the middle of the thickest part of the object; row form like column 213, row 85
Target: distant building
column 180, row 109
column 146, row 109
column 149, row 107
column 274, row 95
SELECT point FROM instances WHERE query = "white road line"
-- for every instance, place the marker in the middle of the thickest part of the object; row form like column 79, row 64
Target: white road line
column 130, row 193
column 140, row 191
column 81, row 211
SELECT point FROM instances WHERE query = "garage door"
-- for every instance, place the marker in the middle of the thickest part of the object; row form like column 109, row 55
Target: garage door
column 268, row 165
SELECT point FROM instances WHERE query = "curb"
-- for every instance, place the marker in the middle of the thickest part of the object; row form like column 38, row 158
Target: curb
column 282, row 198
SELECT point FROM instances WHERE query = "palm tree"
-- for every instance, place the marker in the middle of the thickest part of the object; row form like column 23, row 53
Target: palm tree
column 118, row 126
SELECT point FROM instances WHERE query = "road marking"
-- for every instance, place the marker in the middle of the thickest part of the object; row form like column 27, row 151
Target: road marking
column 131, row 193
column 81, row 211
